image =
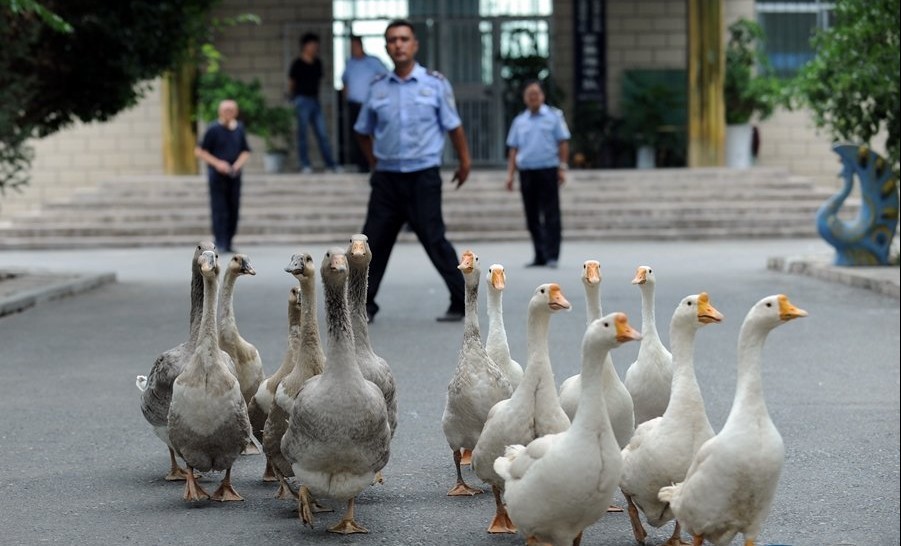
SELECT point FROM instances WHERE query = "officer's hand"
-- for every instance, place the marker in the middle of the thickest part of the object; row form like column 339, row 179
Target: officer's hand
column 460, row 175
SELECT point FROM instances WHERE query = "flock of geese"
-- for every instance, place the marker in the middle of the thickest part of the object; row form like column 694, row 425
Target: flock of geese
column 553, row 459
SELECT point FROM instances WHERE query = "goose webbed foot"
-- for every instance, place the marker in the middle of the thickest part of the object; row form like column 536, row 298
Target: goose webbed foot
column 269, row 473
column 284, row 490
column 304, row 506
column 347, row 525
column 614, row 508
column 250, row 449
column 501, row 522
column 225, row 492
column 176, row 473
column 193, row 491
column 461, row 489
column 378, row 479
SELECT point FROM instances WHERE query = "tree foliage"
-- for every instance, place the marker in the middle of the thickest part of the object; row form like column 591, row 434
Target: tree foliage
column 749, row 86
column 63, row 61
column 852, row 85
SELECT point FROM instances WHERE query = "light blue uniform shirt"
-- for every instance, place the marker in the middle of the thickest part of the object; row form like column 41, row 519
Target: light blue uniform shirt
column 408, row 119
column 537, row 138
column 358, row 74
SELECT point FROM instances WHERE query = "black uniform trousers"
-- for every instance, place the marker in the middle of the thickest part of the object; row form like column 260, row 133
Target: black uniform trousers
column 357, row 157
column 541, row 200
column 225, row 198
column 413, row 198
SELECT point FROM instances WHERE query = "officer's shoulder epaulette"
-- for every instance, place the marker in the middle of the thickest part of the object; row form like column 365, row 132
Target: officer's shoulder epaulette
column 378, row 77
column 435, row 74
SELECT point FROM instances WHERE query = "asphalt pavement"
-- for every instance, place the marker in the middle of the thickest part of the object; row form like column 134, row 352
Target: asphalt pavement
column 81, row 464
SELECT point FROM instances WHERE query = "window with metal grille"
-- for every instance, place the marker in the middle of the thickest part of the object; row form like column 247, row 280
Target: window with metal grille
column 789, row 26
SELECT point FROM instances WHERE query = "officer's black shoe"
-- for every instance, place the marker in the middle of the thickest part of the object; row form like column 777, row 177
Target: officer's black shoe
column 451, row 315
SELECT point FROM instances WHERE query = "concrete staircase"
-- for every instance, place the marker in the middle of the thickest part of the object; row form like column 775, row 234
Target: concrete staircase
column 661, row 204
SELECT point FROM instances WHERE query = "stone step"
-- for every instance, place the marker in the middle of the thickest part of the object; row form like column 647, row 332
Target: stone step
column 662, row 204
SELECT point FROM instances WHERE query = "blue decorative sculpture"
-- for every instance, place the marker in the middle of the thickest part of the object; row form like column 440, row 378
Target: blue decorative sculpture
column 866, row 239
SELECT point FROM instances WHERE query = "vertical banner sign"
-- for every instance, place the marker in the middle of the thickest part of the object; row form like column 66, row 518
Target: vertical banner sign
column 590, row 51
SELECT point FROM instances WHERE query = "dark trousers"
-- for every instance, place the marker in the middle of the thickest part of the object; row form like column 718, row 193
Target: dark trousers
column 356, row 154
column 413, row 198
column 541, row 200
column 225, row 198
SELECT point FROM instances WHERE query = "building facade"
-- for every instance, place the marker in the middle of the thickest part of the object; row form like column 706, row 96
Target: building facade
column 586, row 48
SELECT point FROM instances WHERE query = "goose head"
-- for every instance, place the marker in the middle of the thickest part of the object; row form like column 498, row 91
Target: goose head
column 644, row 276
column 334, row 263
column 202, row 247
column 358, row 251
column 696, row 311
column 591, row 273
column 773, row 311
column 209, row 263
column 469, row 262
column 240, row 265
column 550, row 296
column 497, row 278
column 294, row 296
column 608, row 332
column 301, row 266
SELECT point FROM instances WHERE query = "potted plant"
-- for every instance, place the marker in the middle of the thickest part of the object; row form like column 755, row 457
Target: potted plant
column 644, row 109
column 749, row 89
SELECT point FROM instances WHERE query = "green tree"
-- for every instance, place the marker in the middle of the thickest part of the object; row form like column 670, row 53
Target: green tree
column 852, row 85
column 63, row 61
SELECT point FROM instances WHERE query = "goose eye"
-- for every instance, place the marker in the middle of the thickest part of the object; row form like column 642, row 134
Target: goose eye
column 606, row 325
column 689, row 304
column 542, row 290
column 768, row 304
column 650, row 270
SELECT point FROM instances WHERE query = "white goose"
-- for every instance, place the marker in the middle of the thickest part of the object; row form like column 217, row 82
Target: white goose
column 616, row 396
column 156, row 388
column 310, row 362
column 650, row 377
column 532, row 411
column 338, row 435
column 374, row 367
column 730, row 485
column 248, row 366
column 662, row 449
column 208, row 423
column 496, row 343
column 561, row 483
column 477, row 385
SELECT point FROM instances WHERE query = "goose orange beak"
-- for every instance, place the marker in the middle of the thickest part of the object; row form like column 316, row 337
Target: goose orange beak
column 787, row 311
column 641, row 276
column 707, row 314
column 467, row 263
column 357, row 249
column 498, row 278
column 556, row 300
column 624, row 330
column 592, row 272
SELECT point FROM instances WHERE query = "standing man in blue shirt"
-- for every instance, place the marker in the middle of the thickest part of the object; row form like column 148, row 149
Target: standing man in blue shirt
column 359, row 72
column 401, row 130
column 539, row 148
column 224, row 149
column 304, row 78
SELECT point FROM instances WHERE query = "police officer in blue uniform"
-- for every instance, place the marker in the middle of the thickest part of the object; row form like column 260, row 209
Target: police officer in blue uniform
column 401, row 131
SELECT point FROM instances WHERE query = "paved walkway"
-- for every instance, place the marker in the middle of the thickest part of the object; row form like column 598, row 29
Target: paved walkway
column 23, row 287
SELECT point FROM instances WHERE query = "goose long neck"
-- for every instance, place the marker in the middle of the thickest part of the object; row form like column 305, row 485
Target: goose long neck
column 358, row 284
column 685, row 389
column 196, row 305
column 208, row 334
column 593, row 302
column 538, row 377
column 749, row 387
column 341, row 359
column 226, row 299
column 497, row 334
column 648, row 320
column 471, row 325
column 309, row 321
column 592, row 414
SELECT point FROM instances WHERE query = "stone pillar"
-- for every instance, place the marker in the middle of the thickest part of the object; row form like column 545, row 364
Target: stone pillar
column 706, row 113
